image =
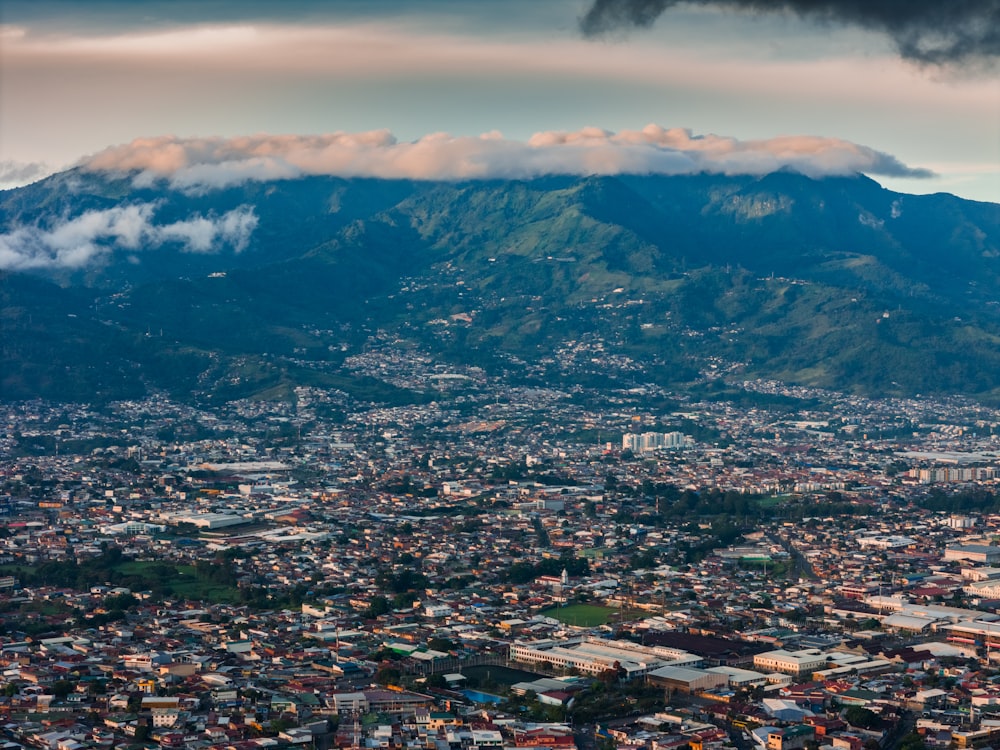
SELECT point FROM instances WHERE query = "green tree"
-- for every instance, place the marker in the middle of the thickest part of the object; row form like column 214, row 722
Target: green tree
column 441, row 644
column 912, row 741
column 862, row 717
column 388, row 676
column 437, row 681
column 378, row 606
column 62, row 688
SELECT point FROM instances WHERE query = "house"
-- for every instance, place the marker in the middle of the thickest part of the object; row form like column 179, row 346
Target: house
column 790, row 738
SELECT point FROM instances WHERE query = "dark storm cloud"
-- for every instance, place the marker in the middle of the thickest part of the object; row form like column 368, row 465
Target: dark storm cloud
column 936, row 32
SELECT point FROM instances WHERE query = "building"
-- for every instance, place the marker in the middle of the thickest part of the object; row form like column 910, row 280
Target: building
column 596, row 655
column 803, row 662
column 790, row 738
column 685, row 680
column 165, row 711
column 980, row 553
column 740, row 678
column 654, row 441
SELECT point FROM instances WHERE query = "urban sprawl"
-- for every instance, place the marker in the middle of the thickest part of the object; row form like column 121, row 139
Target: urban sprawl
column 503, row 567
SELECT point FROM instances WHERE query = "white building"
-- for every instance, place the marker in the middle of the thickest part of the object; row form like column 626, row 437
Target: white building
column 980, row 553
column 436, row 610
column 347, row 703
column 805, row 661
column 165, row 711
column 653, row 441
column 740, row 678
column 596, row 655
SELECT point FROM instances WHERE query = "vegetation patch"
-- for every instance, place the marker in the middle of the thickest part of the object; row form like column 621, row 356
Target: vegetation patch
column 773, row 501
column 583, row 615
column 492, row 677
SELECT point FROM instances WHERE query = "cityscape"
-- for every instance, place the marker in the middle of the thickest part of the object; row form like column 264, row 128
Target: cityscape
column 499, row 375
column 511, row 567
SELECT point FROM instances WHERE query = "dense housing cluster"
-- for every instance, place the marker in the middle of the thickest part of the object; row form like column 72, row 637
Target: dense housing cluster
column 511, row 567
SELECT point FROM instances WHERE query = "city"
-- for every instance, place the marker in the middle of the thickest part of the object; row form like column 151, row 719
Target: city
column 508, row 567
column 499, row 375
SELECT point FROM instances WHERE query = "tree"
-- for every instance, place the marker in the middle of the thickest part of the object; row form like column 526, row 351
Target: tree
column 62, row 688
column 388, row 676
column 404, row 600
column 862, row 717
column 440, row 644
column 912, row 741
column 610, row 483
column 378, row 606
column 613, row 674
column 97, row 687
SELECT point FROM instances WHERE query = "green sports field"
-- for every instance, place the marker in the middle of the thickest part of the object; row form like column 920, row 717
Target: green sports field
column 584, row 615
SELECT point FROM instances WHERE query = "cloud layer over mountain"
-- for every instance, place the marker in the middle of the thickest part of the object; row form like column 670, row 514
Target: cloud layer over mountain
column 80, row 241
column 197, row 164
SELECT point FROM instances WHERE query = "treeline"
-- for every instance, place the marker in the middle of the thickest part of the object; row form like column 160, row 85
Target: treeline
column 662, row 503
column 670, row 502
column 400, row 581
column 105, row 570
column 976, row 500
column 80, row 576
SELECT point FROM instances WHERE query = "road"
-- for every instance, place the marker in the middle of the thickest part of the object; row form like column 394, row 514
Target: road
column 801, row 567
column 902, row 729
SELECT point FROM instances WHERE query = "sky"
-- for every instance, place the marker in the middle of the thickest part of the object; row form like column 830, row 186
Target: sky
column 208, row 92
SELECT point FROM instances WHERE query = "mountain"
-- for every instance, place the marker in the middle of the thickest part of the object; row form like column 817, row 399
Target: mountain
column 115, row 286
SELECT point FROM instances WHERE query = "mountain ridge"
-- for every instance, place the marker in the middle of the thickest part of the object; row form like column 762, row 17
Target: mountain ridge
column 827, row 281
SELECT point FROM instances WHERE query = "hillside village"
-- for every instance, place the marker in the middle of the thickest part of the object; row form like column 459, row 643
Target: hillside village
column 511, row 567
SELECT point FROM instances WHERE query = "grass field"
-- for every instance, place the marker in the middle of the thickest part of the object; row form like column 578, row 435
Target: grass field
column 140, row 567
column 488, row 677
column 584, row 615
column 773, row 501
column 178, row 580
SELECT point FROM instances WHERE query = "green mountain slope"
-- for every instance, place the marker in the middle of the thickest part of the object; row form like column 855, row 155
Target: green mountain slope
column 834, row 282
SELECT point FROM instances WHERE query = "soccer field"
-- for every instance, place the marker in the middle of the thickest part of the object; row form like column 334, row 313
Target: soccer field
column 584, row 615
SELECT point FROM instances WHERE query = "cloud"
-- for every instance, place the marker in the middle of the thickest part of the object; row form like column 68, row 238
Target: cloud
column 17, row 173
column 936, row 32
column 198, row 164
column 80, row 241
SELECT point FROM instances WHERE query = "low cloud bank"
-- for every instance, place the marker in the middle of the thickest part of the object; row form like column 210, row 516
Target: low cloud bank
column 80, row 241
column 199, row 164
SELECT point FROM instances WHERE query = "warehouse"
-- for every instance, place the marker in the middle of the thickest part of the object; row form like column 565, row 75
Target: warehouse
column 685, row 680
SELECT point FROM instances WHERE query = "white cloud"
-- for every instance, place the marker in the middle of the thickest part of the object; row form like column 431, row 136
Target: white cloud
column 420, row 72
column 195, row 164
column 16, row 173
column 80, row 241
